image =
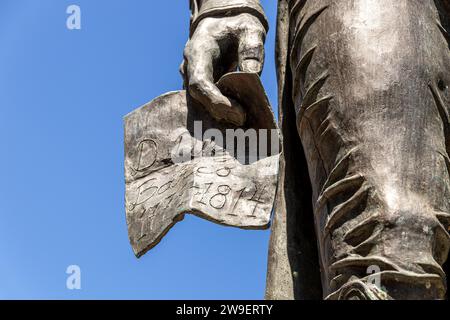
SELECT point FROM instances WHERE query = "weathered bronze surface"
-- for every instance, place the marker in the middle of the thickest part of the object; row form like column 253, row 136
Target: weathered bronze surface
column 376, row 147
column 363, row 202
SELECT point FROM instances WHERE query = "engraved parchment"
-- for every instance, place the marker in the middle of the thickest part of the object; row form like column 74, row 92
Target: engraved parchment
column 211, row 182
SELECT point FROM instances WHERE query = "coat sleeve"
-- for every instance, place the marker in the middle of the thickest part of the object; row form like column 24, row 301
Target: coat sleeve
column 201, row 9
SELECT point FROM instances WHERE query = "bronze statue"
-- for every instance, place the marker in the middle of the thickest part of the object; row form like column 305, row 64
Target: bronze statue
column 364, row 110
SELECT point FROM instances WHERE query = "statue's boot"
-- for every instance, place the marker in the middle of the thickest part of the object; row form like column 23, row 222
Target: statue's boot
column 371, row 90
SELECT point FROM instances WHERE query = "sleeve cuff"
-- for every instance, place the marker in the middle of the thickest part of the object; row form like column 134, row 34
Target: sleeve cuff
column 217, row 8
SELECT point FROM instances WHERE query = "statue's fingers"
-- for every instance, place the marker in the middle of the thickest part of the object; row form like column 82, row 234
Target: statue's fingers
column 200, row 55
column 251, row 48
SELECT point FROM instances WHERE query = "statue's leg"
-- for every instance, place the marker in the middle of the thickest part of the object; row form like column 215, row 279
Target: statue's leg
column 371, row 80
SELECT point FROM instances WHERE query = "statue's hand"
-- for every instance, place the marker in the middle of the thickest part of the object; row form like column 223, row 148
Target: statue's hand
column 218, row 46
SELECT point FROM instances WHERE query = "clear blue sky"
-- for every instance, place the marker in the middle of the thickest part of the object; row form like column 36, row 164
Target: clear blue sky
column 63, row 95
